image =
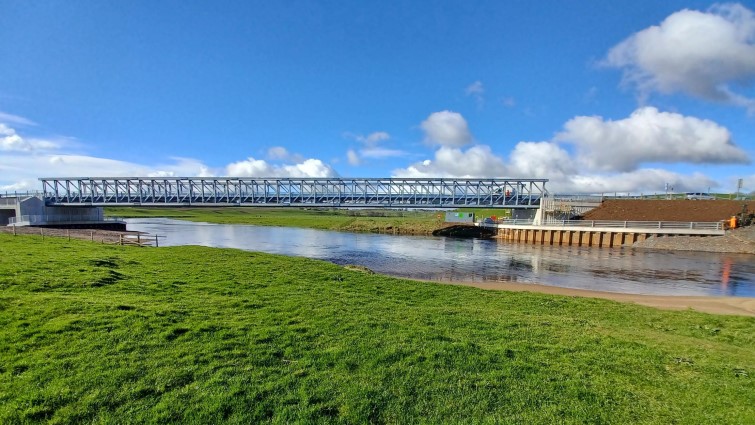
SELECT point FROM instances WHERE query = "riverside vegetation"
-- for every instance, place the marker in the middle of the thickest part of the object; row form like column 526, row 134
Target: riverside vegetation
column 100, row 333
column 365, row 220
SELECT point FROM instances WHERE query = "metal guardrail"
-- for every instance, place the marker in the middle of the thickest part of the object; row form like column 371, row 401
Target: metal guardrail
column 60, row 219
column 694, row 225
column 515, row 221
column 21, row 194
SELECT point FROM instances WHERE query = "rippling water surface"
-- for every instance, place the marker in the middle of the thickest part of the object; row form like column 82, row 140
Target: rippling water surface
column 475, row 260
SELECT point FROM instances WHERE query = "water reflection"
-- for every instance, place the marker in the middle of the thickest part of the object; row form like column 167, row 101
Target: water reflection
column 474, row 260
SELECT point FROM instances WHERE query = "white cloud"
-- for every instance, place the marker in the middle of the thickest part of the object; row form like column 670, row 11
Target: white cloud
column 15, row 119
column 277, row 152
column 371, row 139
column 23, row 161
column 446, row 128
column 374, row 138
column 693, row 52
column 258, row 168
column 538, row 159
column 282, row 154
column 476, row 161
column 638, row 181
column 371, row 148
column 11, row 141
column 476, row 90
column 607, row 157
column 649, row 135
column 382, row 153
column 353, row 157
column 508, row 102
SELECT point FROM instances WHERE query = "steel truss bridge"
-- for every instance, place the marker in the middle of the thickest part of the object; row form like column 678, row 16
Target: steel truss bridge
column 294, row 192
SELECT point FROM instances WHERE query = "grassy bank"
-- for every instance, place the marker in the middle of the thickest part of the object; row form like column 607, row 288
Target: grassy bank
column 375, row 221
column 97, row 333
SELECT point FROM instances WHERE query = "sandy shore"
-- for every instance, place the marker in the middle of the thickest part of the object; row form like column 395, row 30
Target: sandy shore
column 739, row 306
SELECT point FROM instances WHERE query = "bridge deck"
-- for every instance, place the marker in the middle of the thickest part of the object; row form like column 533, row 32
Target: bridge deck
column 313, row 192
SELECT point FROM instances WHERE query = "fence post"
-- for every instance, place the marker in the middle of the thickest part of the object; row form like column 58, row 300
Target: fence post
column 42, row 232
column 120, row 239
column 68, row 235
column 91, row 234
column 157, row 241
column 139, row 239
column 14, row 230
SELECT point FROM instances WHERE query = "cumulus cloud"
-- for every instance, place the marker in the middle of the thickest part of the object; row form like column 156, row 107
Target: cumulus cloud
column 476, row 161
column 24, row 160
column 593, row 155
column 649, row 135
column 537, row 159
column 12, row 141
column 258, row 168
column 698, row 53
column 446, row 128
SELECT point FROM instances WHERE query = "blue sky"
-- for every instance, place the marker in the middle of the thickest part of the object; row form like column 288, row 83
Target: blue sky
column 596, row 96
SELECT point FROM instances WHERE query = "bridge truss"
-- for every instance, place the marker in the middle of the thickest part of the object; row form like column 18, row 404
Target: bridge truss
column 299, row 192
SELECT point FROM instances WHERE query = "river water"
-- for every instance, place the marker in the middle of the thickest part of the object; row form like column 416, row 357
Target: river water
column 441, row 259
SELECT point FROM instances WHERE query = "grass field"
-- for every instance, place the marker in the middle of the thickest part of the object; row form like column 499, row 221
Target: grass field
column 98, row 333
column 376, row 221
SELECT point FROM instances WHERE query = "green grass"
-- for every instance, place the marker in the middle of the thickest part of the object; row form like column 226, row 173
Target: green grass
column 93, row 333
column 377, row 221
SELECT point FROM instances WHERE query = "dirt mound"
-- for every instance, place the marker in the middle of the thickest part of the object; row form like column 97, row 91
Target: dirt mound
column 662, row 210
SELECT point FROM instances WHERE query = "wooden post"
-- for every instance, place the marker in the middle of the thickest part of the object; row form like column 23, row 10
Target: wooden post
column 68, row 235
column 14, row 230
column 91, row 234
column 139, row 239
column 157, row 241
column 120, row 239
column 42, row 232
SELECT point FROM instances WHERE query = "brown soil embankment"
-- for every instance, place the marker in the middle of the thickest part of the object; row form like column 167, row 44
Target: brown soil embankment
column 663, row 210
column 735, row 241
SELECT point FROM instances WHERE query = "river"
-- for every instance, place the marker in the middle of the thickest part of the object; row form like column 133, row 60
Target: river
column 623, row 270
